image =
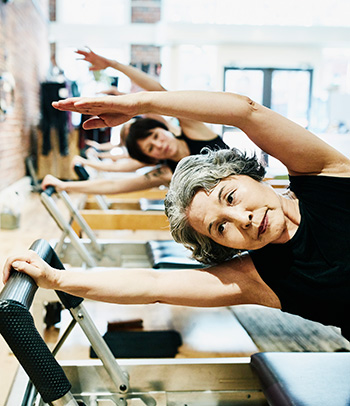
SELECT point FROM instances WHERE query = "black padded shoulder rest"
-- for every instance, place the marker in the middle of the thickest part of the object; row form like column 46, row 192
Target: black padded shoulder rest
column 170, row 254
column 81, row 172
column 152, row 204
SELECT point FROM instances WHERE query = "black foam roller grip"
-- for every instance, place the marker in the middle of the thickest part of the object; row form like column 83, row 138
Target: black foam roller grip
column 18, row 329
column 50, row 190
column 47, row 253
column 81, row 172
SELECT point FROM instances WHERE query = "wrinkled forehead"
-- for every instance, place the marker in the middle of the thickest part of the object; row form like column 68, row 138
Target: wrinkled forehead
column 198, row 210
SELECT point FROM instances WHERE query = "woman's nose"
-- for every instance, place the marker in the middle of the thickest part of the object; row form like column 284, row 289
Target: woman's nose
column 241, row 218
column 157, row 144
column 247, row 220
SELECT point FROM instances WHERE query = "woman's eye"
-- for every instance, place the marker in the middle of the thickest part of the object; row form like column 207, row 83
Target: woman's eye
column 221, row 228
column 230, row 198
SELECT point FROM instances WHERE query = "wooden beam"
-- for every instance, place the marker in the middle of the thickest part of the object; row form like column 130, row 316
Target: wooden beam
column 123, row 220
column 154, row 193
column 117, row 204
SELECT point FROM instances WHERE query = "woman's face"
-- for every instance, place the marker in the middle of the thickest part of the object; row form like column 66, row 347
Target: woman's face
column 160, row 144
column 240, row 213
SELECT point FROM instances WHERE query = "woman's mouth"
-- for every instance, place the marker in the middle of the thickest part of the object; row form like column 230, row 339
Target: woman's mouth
column 263, row 225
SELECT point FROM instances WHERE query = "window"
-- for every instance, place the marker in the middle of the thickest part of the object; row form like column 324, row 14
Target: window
column 286, row 91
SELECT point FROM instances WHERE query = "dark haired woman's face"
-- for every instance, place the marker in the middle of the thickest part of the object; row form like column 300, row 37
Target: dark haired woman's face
column 240, row 213
column 160, row 144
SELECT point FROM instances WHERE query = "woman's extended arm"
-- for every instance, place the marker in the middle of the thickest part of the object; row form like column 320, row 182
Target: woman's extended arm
column 121, row 165
column 192, row 128
column 105, row 146
column 155, row 177
column 232, row 283
column 301, row 151
column 137, row 76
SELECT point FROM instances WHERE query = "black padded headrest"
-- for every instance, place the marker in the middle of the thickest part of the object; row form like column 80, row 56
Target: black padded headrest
column 304, row 378
column 151, row 204
column 169, row 254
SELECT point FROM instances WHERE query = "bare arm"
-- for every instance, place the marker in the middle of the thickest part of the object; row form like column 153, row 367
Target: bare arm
column 137, row 76
column 232, row 283
column 156, row 177
column 147, row 82
column 105, row 146
column 121, row 165
column 301, row 151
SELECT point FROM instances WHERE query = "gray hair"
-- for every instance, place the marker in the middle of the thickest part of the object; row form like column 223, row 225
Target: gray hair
column 204, row 172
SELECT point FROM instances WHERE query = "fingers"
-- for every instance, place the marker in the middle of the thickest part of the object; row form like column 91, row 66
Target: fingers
column 19, row 263
column 82, row 105
column 66, row 104
column 81, row 52
column 94, row 122
column 78, row 160
column 50, row 180
column 105, row 120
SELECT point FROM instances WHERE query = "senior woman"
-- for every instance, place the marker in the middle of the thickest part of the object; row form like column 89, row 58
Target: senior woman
column 295, row 253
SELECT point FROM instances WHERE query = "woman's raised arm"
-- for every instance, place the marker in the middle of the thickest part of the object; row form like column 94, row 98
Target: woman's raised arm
column 122, row 165
column 297, row 148
column 137, row 76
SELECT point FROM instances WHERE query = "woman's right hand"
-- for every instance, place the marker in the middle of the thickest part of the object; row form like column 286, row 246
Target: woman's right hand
column 77, row 159
column 106, row 111
column 50, row 180
column 31, row 264
column 98, row 62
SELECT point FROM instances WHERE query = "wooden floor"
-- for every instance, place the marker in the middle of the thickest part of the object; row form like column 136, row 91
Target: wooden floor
column 205, row 332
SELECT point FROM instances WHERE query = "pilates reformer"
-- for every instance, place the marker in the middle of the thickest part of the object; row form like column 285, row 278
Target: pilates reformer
column 150, row 382
column 92, row 252
column 275, row 379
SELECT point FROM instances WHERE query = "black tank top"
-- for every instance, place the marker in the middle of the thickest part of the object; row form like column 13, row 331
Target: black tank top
column 195, row 147
column 311, row 273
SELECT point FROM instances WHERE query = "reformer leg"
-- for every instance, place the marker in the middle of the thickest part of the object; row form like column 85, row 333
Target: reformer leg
column 47, row 200
column 81, row 221
column 83, row 175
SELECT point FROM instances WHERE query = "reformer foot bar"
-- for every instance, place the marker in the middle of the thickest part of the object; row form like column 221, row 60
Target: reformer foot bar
column 164, row 382
column 92, row 252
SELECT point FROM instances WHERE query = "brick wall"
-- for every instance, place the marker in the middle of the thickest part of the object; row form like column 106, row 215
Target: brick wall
column 146, row 57
column 24, row 52
column 145, row 11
